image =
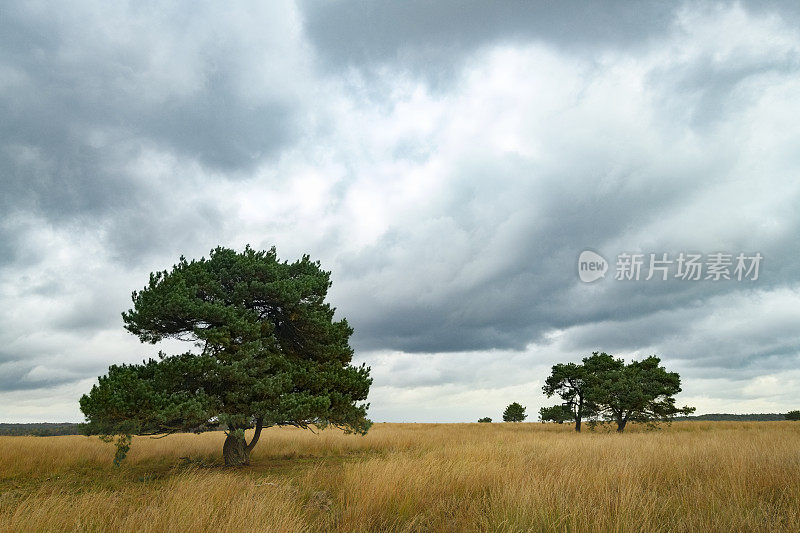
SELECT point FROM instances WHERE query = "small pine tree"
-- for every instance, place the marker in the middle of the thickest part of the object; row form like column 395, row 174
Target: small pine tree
column 514, row 413
column 485, row 419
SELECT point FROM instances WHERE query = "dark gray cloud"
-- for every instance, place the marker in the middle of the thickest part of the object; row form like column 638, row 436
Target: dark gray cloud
column 91, row 95
column 433, row 38
column 18, row 376
column 74, row 76
column 734, row 334
column 523, row 256
column 447, row 160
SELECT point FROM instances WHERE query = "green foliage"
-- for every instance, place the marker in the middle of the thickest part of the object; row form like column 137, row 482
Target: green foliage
column 514, row 413
column 556, row 413
column 40, row 429
column 793, row 415
column 122, row 443
column 605, row 388
column 753, row 417
column 269, row 352
column 570, row 382
column 485, row 420
column 641, row 391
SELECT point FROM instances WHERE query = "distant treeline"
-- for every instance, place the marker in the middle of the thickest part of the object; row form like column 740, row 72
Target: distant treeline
column 759, row 417
column 42, row 429
column 48, row 429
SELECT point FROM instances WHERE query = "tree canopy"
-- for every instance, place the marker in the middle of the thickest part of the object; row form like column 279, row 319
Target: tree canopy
column 641, row 391
column 557, row 413
column 793, row 415
column 268, row 352
column 570, row 382
column 514, row 413
column 605, row 388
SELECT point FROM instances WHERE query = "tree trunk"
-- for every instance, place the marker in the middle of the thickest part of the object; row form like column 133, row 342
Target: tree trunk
column 621, row 424
column 579, row 415
column 235, row 451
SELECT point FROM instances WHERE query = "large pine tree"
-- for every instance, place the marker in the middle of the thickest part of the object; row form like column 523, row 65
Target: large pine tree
column 268, row 352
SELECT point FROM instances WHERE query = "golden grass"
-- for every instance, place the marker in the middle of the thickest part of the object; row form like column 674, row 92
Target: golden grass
column 691, row 476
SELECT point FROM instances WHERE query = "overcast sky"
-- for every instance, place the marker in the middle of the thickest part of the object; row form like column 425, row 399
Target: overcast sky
column 448, row 161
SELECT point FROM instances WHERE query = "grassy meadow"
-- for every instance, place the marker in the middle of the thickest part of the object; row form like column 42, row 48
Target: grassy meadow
column 690, row 476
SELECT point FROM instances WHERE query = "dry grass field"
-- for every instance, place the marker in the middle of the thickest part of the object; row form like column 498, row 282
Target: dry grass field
column 691, row 476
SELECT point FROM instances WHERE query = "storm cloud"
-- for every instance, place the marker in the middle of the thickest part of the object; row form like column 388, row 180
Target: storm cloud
column 448, row 161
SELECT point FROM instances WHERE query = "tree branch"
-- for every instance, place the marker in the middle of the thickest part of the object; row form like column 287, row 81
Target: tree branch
column 167, row 434
column 256, row 435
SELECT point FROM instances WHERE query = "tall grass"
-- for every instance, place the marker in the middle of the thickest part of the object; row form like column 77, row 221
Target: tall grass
column 692, row 476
